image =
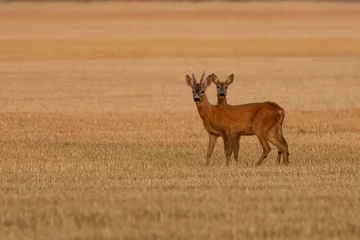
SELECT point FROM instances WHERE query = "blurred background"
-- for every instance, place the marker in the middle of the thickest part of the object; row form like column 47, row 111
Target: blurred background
column 128, row 56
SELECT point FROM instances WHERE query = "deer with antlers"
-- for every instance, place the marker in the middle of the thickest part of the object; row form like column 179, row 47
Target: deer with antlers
column 261, row 119
column 214, row 118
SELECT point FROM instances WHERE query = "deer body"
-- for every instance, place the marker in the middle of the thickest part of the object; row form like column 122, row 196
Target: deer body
column 240, row 119
column 261, row 119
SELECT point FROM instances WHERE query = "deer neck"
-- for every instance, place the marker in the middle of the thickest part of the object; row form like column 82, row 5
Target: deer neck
column 204, row 108
column 222, row 101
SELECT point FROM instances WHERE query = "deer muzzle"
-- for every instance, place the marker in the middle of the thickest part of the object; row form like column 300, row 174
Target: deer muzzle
column 196, row 99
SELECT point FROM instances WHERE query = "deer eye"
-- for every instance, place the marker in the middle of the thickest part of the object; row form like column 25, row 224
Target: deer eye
column 217, row 86
column 226, row 88
column 202, row 91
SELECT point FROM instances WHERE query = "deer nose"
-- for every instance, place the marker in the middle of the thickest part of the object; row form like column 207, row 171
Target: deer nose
column 221, row 95
column 196, row 99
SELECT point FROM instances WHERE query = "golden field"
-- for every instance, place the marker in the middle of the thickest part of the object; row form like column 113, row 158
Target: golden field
column 100, row 138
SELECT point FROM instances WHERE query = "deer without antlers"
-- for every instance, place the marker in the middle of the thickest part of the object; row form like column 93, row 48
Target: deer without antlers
column 264, row 120
column 221, row 100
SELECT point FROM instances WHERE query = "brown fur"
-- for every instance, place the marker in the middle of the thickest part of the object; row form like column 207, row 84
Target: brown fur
column 221, row 100
column 214, row 117
column 261, row 119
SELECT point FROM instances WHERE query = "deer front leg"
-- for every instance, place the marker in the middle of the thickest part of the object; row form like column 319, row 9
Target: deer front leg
column 212, row 141
column 228, row 147
column 236, row 139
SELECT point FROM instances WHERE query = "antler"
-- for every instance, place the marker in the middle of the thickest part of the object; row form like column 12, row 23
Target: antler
column 193, row 75
column 202, row 77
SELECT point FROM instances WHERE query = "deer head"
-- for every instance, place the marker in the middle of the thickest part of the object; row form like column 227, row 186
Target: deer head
column 222, row 86
column 198, row 89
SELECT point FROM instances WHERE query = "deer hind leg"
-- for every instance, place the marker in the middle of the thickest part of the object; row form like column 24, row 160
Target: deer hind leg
column 228, row 148
column 283, row 141
column 236, row 146
column 212, row 142
column 279, row 141
column 266, row 149
column 286, row 153
column 278, row 160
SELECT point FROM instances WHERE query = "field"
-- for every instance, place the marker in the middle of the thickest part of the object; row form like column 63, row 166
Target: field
column 100, row 137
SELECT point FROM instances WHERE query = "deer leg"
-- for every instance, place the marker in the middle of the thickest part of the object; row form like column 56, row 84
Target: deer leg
column 266, row 150
column 228, row 147
column 278, row 157
column 281, row 138
column 286, row 152
column 236, row 146
column 280, row 142
column 212, row 141
column 286, row 158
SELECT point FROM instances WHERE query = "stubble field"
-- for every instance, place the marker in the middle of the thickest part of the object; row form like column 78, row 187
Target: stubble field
column 100, row 138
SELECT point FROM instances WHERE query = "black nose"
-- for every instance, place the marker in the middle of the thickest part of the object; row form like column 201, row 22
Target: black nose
column 221, row 95
column 196, row 99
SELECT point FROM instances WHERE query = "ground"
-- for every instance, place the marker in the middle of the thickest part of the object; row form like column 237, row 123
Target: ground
column 100, row 138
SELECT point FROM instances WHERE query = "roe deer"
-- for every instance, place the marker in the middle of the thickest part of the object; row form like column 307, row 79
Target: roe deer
column 221, row 99
column 264, row 120
column 214, row 118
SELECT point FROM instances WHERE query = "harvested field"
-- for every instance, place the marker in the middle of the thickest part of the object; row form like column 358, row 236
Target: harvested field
column 100, row 138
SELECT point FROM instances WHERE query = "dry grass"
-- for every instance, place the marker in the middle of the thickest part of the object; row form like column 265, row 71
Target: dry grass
column 100, row 138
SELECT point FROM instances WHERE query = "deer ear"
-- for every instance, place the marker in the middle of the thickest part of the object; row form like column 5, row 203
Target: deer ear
column 230, row 79
column 215, row 79
column 207, row 81
column 189, row 81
